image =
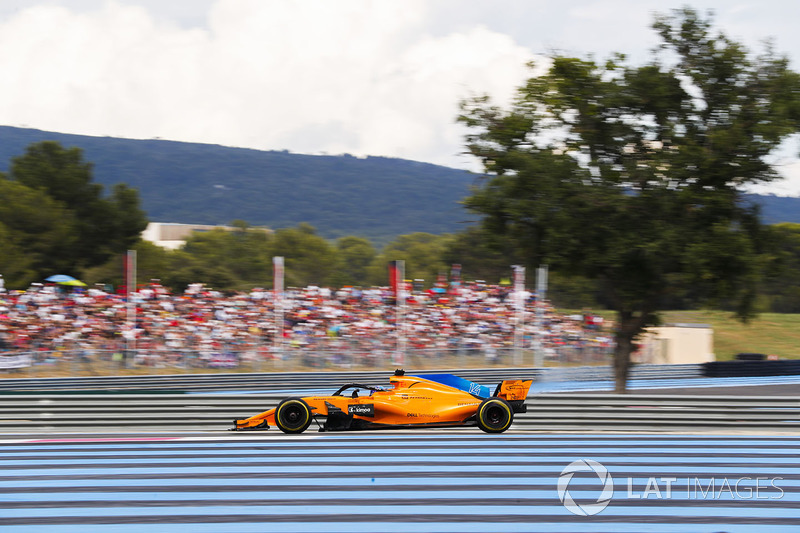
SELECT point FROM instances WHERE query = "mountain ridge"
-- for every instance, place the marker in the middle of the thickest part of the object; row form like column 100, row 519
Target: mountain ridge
column 374, row 197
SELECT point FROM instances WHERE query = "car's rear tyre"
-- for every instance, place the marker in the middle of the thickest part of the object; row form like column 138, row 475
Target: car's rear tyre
column 494, row 415
column 293, row 415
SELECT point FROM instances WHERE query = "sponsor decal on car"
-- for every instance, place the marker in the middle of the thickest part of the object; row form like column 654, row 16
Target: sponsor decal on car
column 361, row 409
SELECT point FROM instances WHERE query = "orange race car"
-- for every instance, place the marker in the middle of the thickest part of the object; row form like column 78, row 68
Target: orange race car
column 427, row 400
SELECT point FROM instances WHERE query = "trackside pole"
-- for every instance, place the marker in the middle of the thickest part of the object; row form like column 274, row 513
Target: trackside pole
column 130, row 305
column 519, row 308
column 277, row 302
column 541, row 292
column 397, row 273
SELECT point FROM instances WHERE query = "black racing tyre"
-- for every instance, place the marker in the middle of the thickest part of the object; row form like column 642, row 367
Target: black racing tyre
column 293, row 415
column 494, row 415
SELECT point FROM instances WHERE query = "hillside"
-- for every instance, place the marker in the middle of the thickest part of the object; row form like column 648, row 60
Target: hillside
column 374, row 197
column 777, row 209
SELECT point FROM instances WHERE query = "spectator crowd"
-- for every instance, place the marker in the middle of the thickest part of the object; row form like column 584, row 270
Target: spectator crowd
column 204, row 327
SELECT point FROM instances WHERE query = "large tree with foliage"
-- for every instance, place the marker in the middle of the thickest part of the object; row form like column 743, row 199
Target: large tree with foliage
column 242, row 253
column 101, row 226
column 422, row 253
column 781, row 291
column 37, row 234
column 356, row 254
column 310, row 259
column 482, row 255
column 631, row 175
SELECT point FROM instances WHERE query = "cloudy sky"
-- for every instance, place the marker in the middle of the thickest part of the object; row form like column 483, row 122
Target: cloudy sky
column 318, row 76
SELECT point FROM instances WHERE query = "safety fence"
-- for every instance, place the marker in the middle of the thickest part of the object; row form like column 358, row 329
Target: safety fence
column 322, row 380
column 48, row 413
column 83, row 361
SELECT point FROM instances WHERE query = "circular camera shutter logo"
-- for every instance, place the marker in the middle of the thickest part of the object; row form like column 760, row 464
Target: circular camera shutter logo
column 585, row 509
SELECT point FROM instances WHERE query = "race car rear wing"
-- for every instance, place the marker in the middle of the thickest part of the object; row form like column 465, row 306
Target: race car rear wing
column 513, row 389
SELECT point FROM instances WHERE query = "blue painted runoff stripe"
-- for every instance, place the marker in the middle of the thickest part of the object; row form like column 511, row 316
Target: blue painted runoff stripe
column 260, row 451
column 574, row 526
column 377, row 482
column 281, row 509
column 546, row 386
column 679, row 491
column 354, row 469
column 108, row 498
column 323, row 441
column 397, row 460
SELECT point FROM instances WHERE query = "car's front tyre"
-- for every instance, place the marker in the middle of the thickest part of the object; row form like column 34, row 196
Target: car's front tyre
column 494, row 415
column 293, row 415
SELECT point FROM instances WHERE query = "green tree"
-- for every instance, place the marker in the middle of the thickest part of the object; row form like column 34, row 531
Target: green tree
column 309, row 258
column 631, row 175
column 243, row 252
column 782, row 288
column 36, row 235
column 188, row 270
column 355, row 255
column 422, row 253
column 152, row 262
column 487, row 256
column 482, row 255
column 103, row 226
column 15, row 263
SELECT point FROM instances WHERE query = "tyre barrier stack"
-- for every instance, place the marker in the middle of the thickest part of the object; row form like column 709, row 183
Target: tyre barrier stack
column 746, row 368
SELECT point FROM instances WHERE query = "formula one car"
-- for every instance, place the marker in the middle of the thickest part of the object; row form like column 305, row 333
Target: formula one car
column 427, row 400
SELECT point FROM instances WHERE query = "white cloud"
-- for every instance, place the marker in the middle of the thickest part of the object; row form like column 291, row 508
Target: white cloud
column 786, row 163
column 310, row 76
column 788, row 186
column 367, row 77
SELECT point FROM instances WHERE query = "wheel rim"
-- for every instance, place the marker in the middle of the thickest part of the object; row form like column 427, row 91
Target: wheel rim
column 495, row 416
column 293, row 416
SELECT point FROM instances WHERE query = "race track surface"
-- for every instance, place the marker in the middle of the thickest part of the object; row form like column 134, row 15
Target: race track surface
column 434, row 481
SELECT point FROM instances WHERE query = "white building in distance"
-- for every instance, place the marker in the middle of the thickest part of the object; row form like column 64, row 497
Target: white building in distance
column 172, row 235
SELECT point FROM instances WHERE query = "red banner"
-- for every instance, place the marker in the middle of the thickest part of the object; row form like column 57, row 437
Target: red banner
column 395, row 276
column 277, row 264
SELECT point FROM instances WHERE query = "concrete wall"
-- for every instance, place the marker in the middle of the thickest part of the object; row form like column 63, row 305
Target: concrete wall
column 677, row 344
column 173, row 235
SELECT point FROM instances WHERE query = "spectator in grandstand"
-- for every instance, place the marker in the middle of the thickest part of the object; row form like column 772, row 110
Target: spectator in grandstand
column 204, row 327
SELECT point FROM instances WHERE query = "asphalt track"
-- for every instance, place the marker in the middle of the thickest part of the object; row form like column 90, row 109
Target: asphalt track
column 434, row 481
